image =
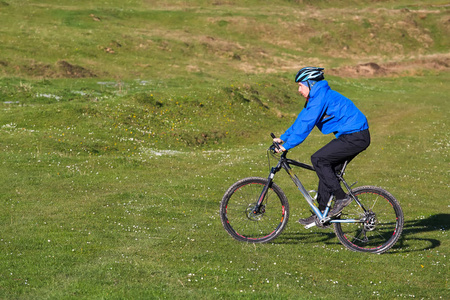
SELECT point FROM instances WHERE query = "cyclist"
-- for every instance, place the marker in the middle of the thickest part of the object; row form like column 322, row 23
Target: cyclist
column 331, row 112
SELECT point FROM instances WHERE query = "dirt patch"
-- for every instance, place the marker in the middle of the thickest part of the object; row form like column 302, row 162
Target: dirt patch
column 73, row 71
column 412, row 67
column 364, row 70
column 62, row 69
column 35, row 69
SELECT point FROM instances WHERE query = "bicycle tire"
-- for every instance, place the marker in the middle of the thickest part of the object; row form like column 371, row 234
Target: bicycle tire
column 382, row 226
column 238, row 202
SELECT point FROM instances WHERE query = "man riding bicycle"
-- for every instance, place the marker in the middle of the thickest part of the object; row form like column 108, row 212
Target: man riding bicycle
column 331, row 112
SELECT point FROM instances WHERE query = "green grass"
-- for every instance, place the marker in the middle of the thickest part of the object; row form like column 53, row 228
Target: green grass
column 114, row 162
column 95, row 211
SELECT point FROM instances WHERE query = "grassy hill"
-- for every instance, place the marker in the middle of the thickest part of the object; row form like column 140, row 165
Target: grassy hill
column 213, row 40
column 124, row 122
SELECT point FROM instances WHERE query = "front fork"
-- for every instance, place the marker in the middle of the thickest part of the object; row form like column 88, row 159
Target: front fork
column 259, row 208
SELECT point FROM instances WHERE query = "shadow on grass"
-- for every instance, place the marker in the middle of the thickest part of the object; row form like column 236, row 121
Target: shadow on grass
column 411, row 228
column 439, row 222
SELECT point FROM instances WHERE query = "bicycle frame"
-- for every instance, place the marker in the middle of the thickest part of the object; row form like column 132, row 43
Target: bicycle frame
column 286, row 163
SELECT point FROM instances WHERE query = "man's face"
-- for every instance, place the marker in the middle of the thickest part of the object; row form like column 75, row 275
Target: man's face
column 303, row 89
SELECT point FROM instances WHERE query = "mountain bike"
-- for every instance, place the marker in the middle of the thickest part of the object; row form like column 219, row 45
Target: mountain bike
column 256, row 210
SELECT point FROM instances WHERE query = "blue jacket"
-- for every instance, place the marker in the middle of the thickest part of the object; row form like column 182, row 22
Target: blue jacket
column 329, row 111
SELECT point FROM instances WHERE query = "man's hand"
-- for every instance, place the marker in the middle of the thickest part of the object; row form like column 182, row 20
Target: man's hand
column 279, row 141
column 280, row 150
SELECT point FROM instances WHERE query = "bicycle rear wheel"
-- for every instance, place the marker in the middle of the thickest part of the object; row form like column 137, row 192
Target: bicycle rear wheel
column 380, row 226
column 236, row 211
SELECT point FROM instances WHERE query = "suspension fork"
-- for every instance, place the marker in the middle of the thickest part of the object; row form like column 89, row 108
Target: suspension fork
column 259, row 207
column 266, row 188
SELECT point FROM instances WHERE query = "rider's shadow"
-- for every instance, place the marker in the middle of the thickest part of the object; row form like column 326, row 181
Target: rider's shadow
column 410, row 240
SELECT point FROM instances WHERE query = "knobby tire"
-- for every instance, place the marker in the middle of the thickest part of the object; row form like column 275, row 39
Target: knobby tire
column 383, row 221
column 237, row 205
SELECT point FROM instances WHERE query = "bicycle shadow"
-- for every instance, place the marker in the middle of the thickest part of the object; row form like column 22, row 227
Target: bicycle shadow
column 411, row 230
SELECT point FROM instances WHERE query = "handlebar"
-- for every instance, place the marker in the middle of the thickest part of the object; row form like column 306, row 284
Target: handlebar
column 276, row 145
column 283, row 156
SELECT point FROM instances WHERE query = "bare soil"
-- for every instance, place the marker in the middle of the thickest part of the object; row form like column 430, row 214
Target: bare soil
column 436, row 62
column 62, row 69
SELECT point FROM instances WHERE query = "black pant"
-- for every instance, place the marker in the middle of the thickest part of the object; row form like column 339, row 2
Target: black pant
column 330, row 159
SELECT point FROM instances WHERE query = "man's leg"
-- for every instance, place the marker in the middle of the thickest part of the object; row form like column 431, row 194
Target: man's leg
column 327, row 159
column 323, row 192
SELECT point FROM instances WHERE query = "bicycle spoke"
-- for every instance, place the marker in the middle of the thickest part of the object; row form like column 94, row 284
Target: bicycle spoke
column 382, row 222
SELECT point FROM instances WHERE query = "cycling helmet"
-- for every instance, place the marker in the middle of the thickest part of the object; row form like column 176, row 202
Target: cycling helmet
column 309, row 73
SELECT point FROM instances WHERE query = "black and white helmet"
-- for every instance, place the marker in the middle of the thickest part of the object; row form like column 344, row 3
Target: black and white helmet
column 309, row 73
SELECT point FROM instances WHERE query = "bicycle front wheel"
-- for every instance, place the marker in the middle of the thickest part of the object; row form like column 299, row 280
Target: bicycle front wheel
column 237, row 211
column 375, row 230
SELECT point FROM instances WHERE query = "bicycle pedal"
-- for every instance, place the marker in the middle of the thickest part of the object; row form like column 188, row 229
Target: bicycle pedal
column 310, row 225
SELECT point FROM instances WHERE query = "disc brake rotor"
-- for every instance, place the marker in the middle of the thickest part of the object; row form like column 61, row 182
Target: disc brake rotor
column 253, row 214
column 370, row 221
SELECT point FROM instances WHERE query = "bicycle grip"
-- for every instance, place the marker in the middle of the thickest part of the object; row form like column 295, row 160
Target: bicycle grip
column 275, row 143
